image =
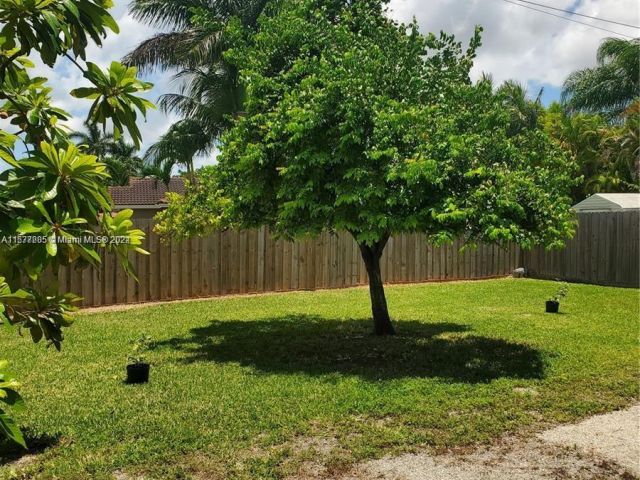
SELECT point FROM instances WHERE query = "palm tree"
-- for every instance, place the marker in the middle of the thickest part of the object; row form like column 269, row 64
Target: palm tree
column 611, row 86
column 209, row 91
column 524, row 111
column 178, row 146
column 119, row 156
column 607, row 155
column 93, row 140
column 161, row 172
column 123, row 162
column 621, row 152
column 581, row 136
column 208, row 96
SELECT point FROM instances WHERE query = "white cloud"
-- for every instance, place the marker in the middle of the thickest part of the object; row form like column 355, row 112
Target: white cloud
column 520, row 43
column 517, row 43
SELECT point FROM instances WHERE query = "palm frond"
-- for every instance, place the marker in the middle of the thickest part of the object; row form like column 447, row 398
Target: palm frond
column 163, row 51
column 611, row 86
column 179, row 145
column 160, row 172
column 208, row 91
column 174, row 14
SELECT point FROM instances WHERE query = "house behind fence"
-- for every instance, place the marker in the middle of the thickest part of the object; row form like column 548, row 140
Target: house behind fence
column 145, row 196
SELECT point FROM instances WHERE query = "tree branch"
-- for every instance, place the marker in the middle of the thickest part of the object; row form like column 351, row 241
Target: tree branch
column 8, row 62
column 73, row 60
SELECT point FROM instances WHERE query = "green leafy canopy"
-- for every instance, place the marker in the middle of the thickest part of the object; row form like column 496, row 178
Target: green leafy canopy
column 352, row 121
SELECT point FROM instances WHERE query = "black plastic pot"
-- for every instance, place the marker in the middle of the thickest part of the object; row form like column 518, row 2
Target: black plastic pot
column 138, row 373
column 552, row 306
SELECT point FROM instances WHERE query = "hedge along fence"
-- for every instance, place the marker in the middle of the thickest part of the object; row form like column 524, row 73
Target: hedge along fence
column 605, row 251
column 251, row 261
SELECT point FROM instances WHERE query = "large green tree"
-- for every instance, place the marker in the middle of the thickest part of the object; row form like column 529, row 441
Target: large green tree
column 354, row 122
column 54, row 205
column 609, row 87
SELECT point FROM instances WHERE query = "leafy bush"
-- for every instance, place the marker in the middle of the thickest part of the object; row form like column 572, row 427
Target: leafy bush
column 9, row 397
column 562, row 292
column 55, row 208
column 140, row 346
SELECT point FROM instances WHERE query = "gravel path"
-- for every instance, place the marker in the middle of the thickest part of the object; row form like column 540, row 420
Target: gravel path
column 614, row 436
column 602, row 447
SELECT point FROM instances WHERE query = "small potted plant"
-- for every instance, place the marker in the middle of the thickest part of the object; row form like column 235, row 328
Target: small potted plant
column 137, row 365
column 553, row 304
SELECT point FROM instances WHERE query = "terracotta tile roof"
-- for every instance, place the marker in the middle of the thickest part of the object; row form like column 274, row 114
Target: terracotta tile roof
column 145, row 191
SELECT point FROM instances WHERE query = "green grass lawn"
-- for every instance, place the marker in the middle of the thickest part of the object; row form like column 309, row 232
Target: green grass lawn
column 250, row 387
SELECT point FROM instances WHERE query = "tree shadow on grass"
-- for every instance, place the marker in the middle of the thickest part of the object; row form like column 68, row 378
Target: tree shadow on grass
column 36, row 443
column 320, row 346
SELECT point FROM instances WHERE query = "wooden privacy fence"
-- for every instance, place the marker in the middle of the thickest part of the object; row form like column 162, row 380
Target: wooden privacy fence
column 251, row 261
column 604, row 251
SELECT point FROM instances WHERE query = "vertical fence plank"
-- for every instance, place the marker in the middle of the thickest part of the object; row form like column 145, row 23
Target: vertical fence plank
column 389, row 252
column 333, row 260
column 610, row 254
column 603, row 240
column 143, row 265
column 98, row 283
column 286, row 265
column 319, row 261
column 627, row 249
column 634, row 260
column 164, row 268
column 295, row 265
column 87, row 286
column 121, row 285
column 196, row 270
column 261, row 267
column 205, row 249
column 108, row 279
column 216, row 267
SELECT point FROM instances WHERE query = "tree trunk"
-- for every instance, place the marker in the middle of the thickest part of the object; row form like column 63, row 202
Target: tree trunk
column 371, row 256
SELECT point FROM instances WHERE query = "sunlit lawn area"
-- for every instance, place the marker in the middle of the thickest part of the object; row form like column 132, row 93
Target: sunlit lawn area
column 248, row 387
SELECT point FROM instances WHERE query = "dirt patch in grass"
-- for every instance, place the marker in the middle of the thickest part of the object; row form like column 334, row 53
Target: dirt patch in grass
column 17, row 458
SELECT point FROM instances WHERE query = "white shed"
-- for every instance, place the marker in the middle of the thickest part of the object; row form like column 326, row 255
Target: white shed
column 609, row 202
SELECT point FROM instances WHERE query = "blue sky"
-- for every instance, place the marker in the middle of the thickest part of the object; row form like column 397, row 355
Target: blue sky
column 550, row 93
column 533, row 48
